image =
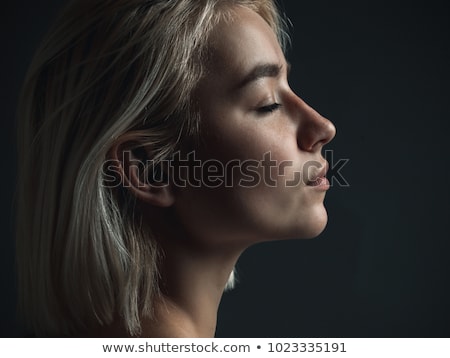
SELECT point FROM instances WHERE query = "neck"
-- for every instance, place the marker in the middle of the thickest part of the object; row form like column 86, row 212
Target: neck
column 194, row 281
column 193, row 278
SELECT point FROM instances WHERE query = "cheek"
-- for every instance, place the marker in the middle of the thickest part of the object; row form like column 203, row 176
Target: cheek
column 253, row 204
column 261, row 194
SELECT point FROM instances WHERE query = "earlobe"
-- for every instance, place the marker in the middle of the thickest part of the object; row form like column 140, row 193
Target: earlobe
column 147, row 182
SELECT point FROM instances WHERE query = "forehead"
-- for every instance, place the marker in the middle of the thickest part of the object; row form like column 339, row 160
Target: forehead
column 240, row 43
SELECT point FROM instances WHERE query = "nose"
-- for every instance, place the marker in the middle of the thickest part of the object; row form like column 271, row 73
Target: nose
column 314, row 130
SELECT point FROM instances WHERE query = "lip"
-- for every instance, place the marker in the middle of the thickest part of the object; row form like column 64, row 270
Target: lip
column 320, row 181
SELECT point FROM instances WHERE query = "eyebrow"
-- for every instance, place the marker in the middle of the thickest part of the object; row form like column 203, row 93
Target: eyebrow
column 261, row 71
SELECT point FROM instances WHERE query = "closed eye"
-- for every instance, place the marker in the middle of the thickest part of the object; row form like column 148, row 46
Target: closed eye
column 268, row 109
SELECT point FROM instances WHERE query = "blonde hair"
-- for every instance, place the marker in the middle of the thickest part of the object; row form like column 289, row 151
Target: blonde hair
column 106, row 68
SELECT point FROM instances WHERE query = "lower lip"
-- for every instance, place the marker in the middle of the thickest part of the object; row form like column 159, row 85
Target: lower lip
column 321, row 183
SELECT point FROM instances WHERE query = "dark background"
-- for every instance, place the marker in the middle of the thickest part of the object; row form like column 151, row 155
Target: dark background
column 380, row 71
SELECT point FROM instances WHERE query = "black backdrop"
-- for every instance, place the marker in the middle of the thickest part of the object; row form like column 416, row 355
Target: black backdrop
column 381, row 268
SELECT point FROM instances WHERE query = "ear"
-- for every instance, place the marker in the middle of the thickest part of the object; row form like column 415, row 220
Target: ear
column 137, row 173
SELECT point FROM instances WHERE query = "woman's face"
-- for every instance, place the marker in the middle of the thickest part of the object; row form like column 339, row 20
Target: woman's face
column 260, row 151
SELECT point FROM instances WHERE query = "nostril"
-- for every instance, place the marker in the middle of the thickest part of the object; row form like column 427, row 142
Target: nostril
column 314, row 131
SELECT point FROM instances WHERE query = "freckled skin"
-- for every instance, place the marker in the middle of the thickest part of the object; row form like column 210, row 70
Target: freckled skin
column 232, row 128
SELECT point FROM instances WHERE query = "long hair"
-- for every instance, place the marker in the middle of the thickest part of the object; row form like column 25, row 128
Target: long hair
column 106, row 68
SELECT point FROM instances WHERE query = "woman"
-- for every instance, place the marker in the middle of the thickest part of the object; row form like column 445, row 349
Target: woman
column 157, row 141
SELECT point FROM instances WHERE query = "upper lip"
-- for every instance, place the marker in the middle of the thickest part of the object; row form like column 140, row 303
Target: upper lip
column 320, row 174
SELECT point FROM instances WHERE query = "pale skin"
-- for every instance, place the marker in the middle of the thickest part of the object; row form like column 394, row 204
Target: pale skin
column 203, row 231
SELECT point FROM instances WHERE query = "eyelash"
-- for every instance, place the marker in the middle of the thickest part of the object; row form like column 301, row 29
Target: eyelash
column 269, row 109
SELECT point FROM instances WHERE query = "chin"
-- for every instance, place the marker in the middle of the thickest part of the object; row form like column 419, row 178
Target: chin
column 313, row 226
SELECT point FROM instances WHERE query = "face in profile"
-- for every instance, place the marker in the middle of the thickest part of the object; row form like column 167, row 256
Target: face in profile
column 268, row 142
